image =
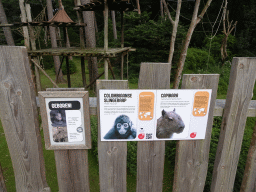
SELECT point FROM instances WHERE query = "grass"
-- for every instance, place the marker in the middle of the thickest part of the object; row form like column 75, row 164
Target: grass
column 76, row 81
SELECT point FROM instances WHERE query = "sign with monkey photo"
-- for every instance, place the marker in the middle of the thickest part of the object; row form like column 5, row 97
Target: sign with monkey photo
column 144, row 115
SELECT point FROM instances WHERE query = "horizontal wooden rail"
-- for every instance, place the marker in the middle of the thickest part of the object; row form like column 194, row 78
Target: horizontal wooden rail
column 218, row 111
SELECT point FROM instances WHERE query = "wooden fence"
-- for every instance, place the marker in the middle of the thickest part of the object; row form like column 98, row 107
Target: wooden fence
column 20, row 122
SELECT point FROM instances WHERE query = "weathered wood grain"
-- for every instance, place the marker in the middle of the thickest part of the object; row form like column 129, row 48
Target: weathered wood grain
column 112, row 154
column 77, row 51
column 150, row 154
column 72, row 165
column 249, row 180
column 65, row 93
column 72, row 170
column 192, row 157
column 2, row 182
column 240, row 90
column 20, row 119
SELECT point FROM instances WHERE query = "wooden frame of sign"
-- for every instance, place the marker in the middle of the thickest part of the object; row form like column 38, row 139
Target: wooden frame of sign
column 65, row 119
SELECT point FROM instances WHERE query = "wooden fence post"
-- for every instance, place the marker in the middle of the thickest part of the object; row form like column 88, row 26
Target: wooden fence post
column 192, row 157
column 72, row 164
column 240, row 90
column 2, row 182
column 249, row 180
column 150, row 154
column 20, row 119
column 112, row 154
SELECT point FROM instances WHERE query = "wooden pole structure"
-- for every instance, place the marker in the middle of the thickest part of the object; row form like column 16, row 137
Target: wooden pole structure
column 83, row 71
column 25, row 28
column 82, row 44
column 240, row 91
column 2, row 183
column 106, row 37
column 249, row 179
column 113, row 15
column 150, row 154
column 192, row 156
column 72, row 164
column 112, row 154
column 122, row 44
column 33, row 46
column 67, row 60
column 20, row 119
column 43, row 71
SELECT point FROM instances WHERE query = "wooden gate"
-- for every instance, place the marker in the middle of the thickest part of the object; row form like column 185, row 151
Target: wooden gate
column 20, row 121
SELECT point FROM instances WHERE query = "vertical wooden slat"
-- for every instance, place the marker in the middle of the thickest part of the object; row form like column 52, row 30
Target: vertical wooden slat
column 150, row 154
column 72, row 165
column 249, row 180
column 72, row 170
column 106, row 36
column 20, row 119
column 2, row 182
column 68, row 72
column 240, row 90
column 62, row 169
column 33, row 46
column 122, row 44
column 192, row 157
column 112, row 155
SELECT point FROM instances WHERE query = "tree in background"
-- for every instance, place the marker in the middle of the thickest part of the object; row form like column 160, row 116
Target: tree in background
column 90, row 41
column 7, row 30
column 228, row 27
column 59, row 78
column 195, row 20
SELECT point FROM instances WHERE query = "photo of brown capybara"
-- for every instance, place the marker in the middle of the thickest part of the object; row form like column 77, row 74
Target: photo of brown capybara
column 170, row 122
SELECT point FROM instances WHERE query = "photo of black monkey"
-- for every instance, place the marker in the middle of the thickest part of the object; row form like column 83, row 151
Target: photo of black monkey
column 58, row 118
column 122, row 129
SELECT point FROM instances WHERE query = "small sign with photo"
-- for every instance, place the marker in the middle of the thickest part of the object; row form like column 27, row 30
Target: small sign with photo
column 65, row 116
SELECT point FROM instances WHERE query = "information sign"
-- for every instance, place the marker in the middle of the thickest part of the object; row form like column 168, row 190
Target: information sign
column 144, row 115
column 65, row 116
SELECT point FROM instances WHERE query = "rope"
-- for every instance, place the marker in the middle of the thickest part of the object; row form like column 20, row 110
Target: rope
column 212, row 36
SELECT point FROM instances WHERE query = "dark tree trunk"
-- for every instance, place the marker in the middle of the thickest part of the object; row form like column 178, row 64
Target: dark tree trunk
column 90, row 40
column 7, row 30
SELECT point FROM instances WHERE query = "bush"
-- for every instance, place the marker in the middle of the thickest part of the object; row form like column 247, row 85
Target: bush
column 94, row 135
column 198, row 60
column 214, row 46
column 72, row 67
column 47, row 62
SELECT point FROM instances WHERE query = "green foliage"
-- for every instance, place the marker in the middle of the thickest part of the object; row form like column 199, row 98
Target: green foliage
column 243, row 155
column 47, row 62
column 150, row 38
column 214, row 46
column 94, row 135
column 72, row 67
column 244, row 152
column 197, row 60
column 213, row 149
column 132, row 157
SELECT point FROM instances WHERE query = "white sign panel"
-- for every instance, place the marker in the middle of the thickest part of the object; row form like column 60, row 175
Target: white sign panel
column 144, row 115
column 65, row 120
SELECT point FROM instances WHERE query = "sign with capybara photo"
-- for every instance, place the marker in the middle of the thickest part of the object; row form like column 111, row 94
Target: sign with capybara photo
column 64, row 122
column 144, row 115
